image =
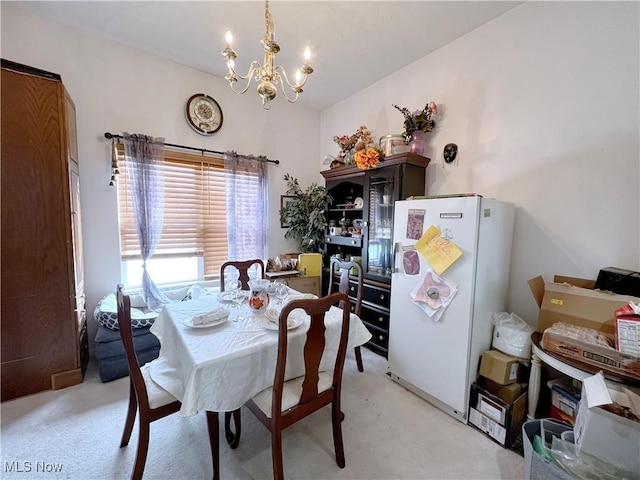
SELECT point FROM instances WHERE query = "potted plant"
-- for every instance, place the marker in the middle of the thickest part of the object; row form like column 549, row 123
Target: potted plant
column 304, row 214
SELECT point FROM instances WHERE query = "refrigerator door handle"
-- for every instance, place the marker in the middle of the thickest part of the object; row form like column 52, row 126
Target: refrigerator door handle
column 396, row 249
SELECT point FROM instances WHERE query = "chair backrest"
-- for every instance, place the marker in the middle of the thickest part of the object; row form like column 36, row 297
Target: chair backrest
column 342, row 269
column 243, row 269
column 314, row 347
column 126, row 334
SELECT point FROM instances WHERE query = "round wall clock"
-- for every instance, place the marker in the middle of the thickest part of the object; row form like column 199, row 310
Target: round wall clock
column 203, row 114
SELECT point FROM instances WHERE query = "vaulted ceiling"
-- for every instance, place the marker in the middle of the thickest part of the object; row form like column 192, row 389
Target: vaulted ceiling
column 354, row 43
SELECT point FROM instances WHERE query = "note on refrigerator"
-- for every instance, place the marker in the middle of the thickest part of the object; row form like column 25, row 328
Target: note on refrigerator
column 439, row 252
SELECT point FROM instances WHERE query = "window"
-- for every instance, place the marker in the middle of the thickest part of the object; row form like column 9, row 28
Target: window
column 194, row 237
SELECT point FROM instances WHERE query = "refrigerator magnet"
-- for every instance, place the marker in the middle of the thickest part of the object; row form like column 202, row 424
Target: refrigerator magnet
column 415, row 223
column 411, row 262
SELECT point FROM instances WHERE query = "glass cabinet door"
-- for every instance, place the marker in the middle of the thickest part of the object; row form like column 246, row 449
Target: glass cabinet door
column 379, row 246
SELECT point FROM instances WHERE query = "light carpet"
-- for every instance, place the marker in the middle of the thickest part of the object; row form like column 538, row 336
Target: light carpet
column 389, row 433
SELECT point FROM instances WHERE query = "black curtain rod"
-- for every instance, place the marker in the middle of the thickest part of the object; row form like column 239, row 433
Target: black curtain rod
column 201, row 150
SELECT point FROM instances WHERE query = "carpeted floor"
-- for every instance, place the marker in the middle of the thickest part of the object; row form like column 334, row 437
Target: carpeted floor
column 389, row 433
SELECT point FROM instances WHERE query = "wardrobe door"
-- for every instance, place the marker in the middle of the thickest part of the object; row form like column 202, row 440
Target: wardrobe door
column 39, row 338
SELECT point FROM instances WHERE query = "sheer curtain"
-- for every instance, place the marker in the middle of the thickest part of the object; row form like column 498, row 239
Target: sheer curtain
column 246, row 192
column 145, row 157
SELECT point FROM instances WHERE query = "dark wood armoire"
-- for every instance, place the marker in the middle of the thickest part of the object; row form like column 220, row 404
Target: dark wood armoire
column 43, row 316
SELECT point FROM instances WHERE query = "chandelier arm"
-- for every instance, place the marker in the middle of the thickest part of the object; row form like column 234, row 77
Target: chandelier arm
column 255, row 65
column 283, row 73
column 279, row 70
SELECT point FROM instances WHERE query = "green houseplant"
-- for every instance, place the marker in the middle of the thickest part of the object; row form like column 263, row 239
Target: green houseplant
column 304, row 214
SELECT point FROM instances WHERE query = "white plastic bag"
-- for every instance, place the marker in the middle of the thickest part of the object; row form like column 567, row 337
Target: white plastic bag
column 511, row 335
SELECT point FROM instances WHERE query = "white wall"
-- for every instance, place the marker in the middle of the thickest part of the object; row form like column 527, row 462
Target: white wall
column 544, row 105
column 117, row 88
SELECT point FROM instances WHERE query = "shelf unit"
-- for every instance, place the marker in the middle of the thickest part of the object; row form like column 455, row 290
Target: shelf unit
column 370, row 237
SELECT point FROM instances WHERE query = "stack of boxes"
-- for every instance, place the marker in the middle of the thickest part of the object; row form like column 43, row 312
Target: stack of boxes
column 609, row 432
column 499, row 398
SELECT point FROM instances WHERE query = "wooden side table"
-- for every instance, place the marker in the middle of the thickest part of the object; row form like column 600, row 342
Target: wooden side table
column 305, row 284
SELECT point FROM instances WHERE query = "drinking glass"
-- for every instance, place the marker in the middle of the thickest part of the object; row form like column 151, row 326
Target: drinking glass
column 282, row 291
column 237, row 297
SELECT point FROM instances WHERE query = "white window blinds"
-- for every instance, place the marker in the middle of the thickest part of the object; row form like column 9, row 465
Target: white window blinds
column 195, row 211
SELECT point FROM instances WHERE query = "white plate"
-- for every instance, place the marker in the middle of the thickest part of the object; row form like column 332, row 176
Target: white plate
column 189, row 322
column 226, row 296
column 293, row 323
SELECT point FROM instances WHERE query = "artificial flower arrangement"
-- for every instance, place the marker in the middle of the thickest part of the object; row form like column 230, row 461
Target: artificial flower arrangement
column 420, row 119
column 349, row 142
column 366, row 155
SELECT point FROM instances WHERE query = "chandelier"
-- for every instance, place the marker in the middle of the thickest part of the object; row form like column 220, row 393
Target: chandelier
column 268, row 75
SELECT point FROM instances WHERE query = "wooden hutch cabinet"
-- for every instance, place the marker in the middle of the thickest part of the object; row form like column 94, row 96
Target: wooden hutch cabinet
column 361, row 228
column 43, row 326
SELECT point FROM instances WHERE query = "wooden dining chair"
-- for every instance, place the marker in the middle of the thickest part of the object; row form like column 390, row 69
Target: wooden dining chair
column 287, row 402
column 340, row 269
column 243, row 269
column 147, row 397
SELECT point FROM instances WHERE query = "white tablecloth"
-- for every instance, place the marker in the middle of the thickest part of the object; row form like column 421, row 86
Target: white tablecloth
column 219, row 368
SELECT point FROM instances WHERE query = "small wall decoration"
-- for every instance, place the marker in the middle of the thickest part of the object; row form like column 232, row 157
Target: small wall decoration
column 450, row 152
column 203, row 114
column 285, row 200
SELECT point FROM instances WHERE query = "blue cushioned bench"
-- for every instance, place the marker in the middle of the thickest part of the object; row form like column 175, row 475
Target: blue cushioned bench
column 112, row 361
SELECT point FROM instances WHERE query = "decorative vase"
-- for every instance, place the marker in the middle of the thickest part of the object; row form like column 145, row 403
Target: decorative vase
column 259, row 297
column 348, row 157
column 416, row 145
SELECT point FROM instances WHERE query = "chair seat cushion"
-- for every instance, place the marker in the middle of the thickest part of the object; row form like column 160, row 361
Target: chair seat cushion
column 291, row 393
column 158, row 396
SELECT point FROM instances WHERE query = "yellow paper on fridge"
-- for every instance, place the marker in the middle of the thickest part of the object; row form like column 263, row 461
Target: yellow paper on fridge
column 439, row 252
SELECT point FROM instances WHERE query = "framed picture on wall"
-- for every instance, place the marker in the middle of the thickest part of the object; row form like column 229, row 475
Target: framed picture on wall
column 284, row 201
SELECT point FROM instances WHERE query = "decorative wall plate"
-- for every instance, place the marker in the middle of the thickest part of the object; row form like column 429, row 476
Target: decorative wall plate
column 204, row 114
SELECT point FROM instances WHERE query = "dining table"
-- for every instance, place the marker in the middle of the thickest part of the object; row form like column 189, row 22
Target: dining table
column 219, row 366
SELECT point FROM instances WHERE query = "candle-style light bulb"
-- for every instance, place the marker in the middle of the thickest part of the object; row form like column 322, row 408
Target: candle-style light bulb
column 228, row 37
column 307, row 54
column 298, row 77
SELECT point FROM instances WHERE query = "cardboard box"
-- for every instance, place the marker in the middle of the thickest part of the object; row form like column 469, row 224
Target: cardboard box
column 507, row 393
column 606, row 358
column 627, row 331
column 573, row 300
column 498, row 419
column 564, row 405
column 608, row 436
column 499, row 367
column 305, row 284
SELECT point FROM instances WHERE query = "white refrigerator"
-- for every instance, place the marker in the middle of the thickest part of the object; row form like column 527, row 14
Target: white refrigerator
column 437, row 358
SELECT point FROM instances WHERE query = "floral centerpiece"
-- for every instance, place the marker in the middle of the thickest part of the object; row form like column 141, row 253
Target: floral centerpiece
column 367, row 157
column 419, row 120
column 359, row 147
column 357, row 140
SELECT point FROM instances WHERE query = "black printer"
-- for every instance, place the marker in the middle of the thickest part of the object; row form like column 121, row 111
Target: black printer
column 619, row 280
